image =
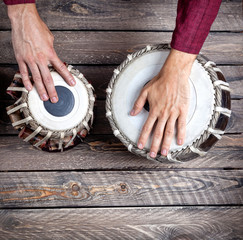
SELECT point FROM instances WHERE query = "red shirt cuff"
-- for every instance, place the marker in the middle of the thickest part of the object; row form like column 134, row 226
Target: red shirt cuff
column 13, row 2
column 193, row 23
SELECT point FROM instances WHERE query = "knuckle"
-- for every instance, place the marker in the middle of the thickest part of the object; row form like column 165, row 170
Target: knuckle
column 19, row 59
column 24, row 75
column 48, row 80
column 153, row 114
column 157, row 135
column 25, row 79
column 137, row 104
column 163, row 118
column 37, row 79
column 169, row 132
column 62, row 67
column 40, row 56
column 29, row 59
column 174, row 111
column 182, row 124
column 51, row 53
column 146, row 128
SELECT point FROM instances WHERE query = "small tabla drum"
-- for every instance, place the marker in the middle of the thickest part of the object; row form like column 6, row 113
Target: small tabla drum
column 209, row 108
column 53, row 126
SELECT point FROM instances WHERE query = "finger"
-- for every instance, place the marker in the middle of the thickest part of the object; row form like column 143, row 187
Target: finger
column 168, row 135
column 48, row 82
column 181, row 129
column 25, row 75
column 147, row 128
column 139, row 103
column 63, row 71
column 38, row 82
column 157, row 138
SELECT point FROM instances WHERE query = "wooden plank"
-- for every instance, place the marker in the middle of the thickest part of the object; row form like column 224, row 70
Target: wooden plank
column 102, row 152
column 100, row 76
column 123, row 223
column 120, row 188
column 88, row 47
column 123, row 15
column 101, row 124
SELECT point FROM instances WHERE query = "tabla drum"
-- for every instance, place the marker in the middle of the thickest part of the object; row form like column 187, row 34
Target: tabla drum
column 53, row 126
column 209, row 108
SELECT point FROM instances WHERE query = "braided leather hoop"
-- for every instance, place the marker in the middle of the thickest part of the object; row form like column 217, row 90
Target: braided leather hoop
column 210, row 135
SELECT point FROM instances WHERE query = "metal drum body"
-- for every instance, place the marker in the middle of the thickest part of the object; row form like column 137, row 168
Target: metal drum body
column 209, row 108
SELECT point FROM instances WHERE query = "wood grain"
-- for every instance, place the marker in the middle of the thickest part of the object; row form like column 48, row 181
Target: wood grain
column 187, row 223
column 102, row 126
column 104, row 152
column 99, row 190
column 100, row 76
column 120, row 188
column 87, row 47
column 123, row 15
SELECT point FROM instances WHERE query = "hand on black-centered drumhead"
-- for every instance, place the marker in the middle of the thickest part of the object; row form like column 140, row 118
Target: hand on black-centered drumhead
column 33, row 48
column 168, row 95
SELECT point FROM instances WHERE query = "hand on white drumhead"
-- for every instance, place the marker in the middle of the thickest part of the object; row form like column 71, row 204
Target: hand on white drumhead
column 33, row 47
column 168, row 96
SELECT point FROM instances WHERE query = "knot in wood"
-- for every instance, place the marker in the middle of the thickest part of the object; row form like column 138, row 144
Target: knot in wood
column 123, row 187
column 75, row 187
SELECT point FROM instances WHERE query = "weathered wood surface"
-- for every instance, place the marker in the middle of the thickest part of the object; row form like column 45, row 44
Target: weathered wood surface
column 88, row 47
column 100, row 76
column 101, row 124
column 187, row 223
column 99, row 173
column 104, row 152
column 120, row 188
column 123, row 15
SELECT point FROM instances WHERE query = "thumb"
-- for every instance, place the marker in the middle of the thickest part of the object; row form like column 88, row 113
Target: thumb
column 139, row 103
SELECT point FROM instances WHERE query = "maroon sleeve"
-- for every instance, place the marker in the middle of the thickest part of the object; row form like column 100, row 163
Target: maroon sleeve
column 12, row 2
column 193, row 23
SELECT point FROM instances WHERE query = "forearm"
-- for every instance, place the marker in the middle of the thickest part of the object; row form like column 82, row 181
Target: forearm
column 193, row 23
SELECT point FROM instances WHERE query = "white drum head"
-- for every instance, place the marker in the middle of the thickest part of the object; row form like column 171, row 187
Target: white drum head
column 77, row 112
column 132, row 79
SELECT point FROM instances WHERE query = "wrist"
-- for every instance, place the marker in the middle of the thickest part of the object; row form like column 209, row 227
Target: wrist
column 15, row 12
column 182, row 60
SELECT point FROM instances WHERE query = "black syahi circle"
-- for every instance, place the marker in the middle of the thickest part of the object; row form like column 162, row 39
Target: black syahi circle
column 64, row 105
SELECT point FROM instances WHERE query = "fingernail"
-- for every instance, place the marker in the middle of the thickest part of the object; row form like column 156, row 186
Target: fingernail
column 28, row 87
column 44, row 97
column 180, row 141
column 164, row 152
column 73, row 82
column 152, row 154
column 140, row 146
column 53, row 99
column 132, row 112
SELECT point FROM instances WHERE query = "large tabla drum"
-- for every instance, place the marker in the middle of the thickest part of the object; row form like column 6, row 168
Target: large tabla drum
column 209, row 109
column 48, row 126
